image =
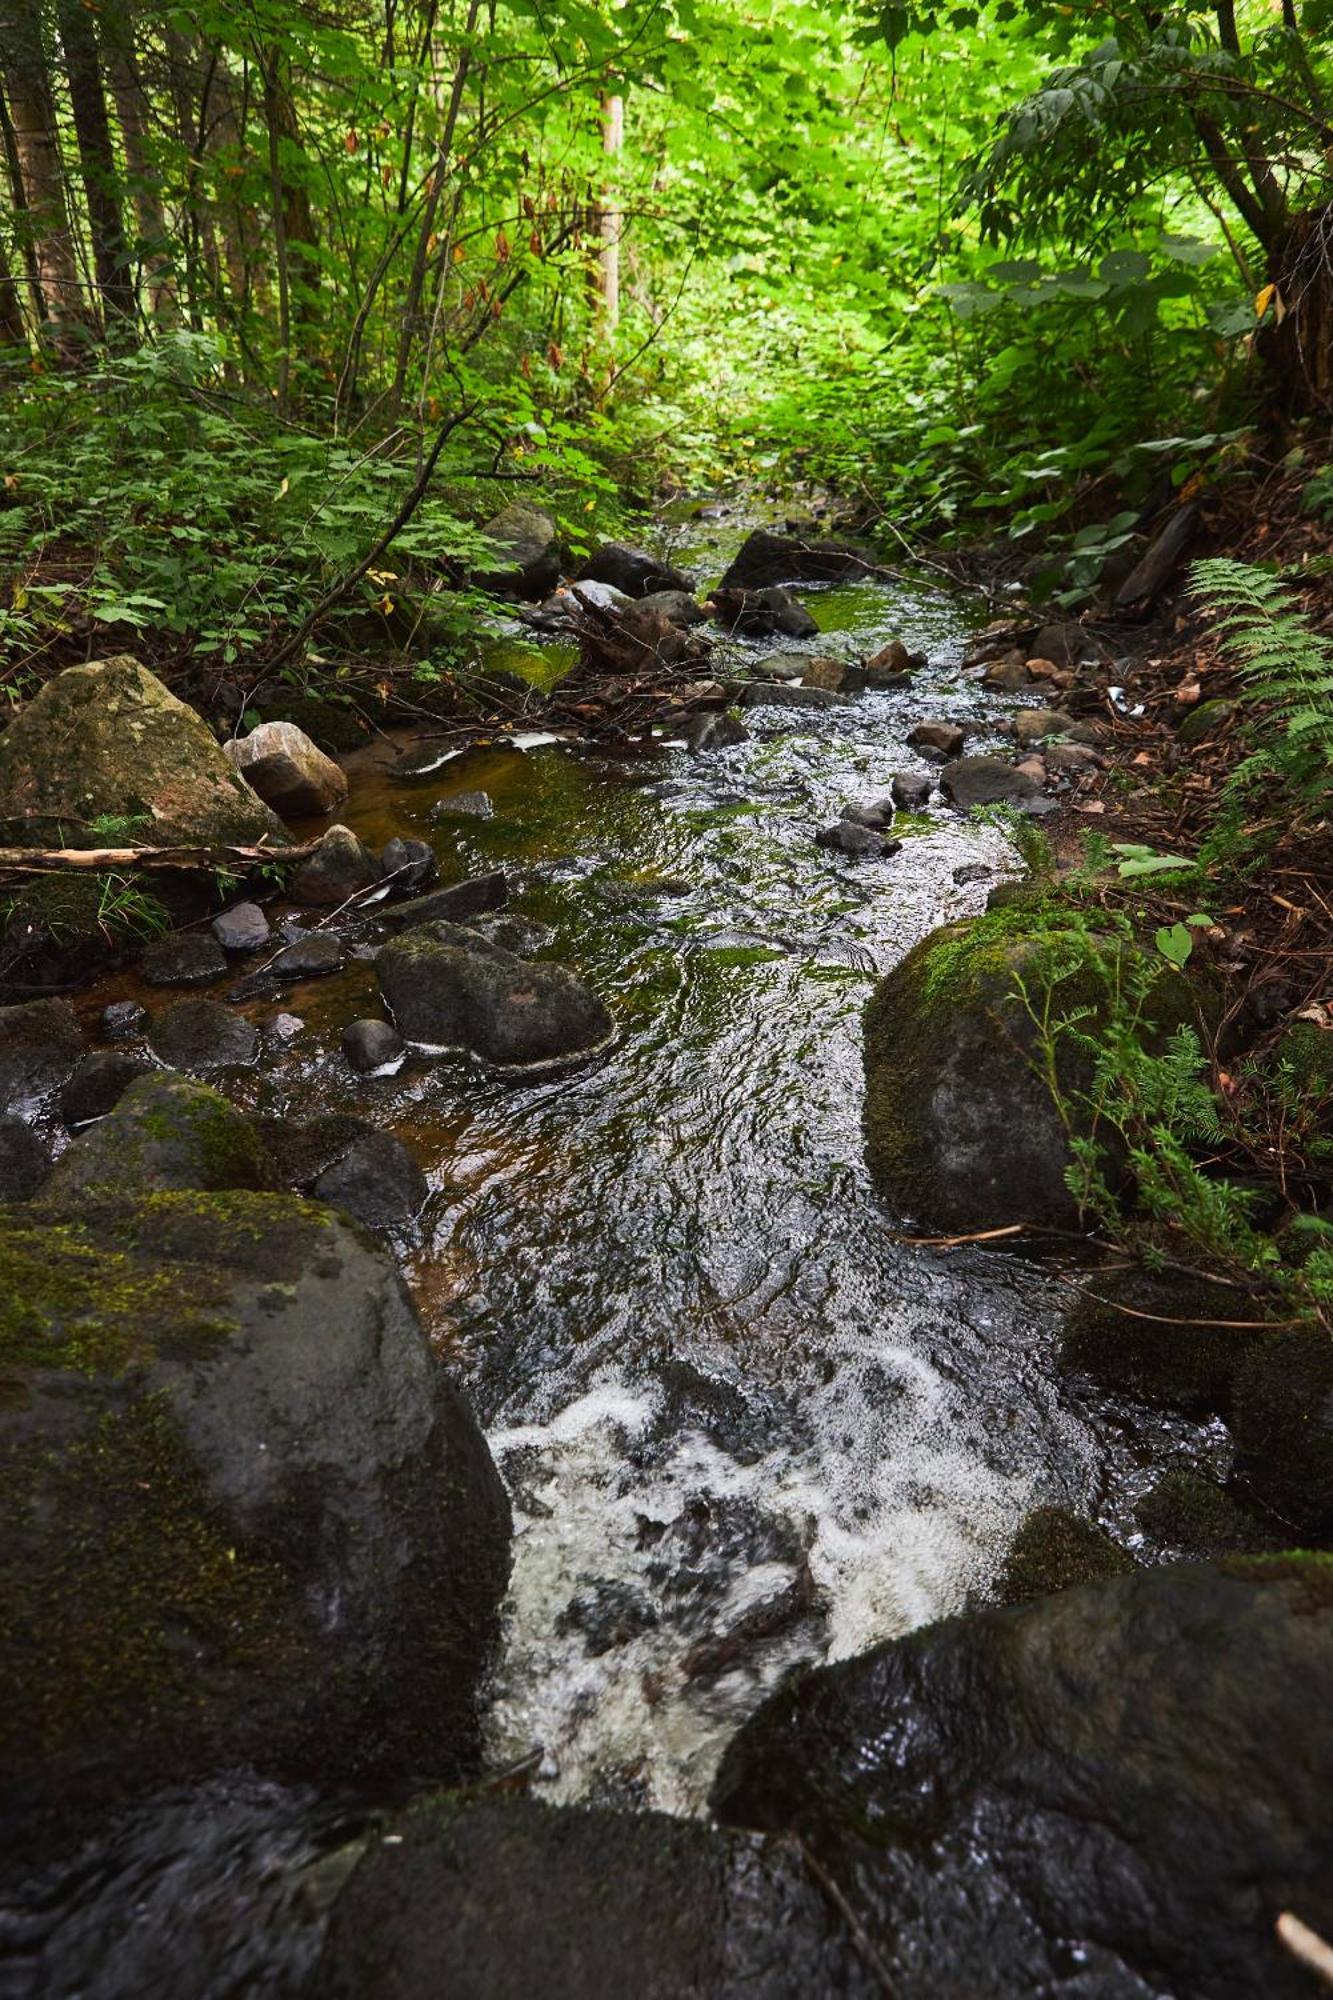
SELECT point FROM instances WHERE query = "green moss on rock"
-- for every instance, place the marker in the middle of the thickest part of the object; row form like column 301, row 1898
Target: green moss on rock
column 167, row 1131
column 1188, row 1512
column 1055, row 1550
column 1158, row 1337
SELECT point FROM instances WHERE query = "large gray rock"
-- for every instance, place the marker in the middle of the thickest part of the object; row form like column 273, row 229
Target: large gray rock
column 985, row 781
column 962, row 1131
column 449, row 988
column 110, row 739
column 289, row 772
column 1114, row 1791
column 166, row 1131
column 632, row 571
column 247, row 1519
column 525, row 557
column 763, row 614
column 766, row 558
column 502, row 1897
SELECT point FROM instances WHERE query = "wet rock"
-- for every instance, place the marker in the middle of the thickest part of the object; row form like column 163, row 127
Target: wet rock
column 203, row 1035
column 1037, row 725
column 860, row 843
column 186, row 958
column 522, row 936
column 243, row 928
column 449, row 988
column 571, row 1902
column 281, row 1030
column 561, row 610
column 464, row 805
column 909, row 792
column 340, row 867
column 835, row 674
column 108, row 739
column 781, row 667
column 1159, row 1337
column 633, row 572
column 1056, row 1550
column 1006, row 675
column 1185, row 1511
column 1071, row 759
column 312, row 957
column 455, row 905
column 961, row 1129
column 370, row 1046
column 24, row 1160
column 234, row 1460
column 165, row 1131
column 98, row 1084
column 677, row 606
column 713, row 731
column 1065, row 644
column 766, row 558
column 1281, row 1417
column 876, row 813
column 892, row 666
column 40, row 1044
column 123, row 1020
column 608, row 1615
column 410, row 863
column 985, row 781
column 788, row 694
column 936, row 739
column 763, row 614
column 288, row 771
column 525, row 559
column 1111, row 1764
column 376, row 1181
column 971, row 871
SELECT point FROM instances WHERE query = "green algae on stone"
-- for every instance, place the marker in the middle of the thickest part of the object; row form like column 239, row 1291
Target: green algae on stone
column 167, row 1131
column 1055, row 1550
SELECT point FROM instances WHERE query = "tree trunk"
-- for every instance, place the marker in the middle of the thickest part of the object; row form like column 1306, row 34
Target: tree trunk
column 610, row 222
column 1297, row 344
column 154, row 241
column 22, row 222
column 68, row 318
column 101, row 176
column 13, row 333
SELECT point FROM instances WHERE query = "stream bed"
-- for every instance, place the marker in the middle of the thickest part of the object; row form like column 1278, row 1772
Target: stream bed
column 745, row 1426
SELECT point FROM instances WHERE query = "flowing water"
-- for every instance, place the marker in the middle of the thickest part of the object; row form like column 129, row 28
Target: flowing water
column 744, row 1424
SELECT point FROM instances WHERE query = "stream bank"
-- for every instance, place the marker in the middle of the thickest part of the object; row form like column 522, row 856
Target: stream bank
column 745, row 1425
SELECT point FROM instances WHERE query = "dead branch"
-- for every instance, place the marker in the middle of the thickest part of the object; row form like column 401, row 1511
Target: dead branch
column 46, row 860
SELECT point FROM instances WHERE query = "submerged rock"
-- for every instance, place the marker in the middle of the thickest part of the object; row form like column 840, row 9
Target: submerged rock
column 340, row 867
column 449, row 988
column 1092, row 1793
column 109, row 740
column 186, row 958
column 789, row 694
column 762, row 614
column 203, row 1035
column 288, row 771
column 464, row 805
column 506, row 1897
column 969, row 782
column 247, row 1522
column 860, row 842
column 41, row 1043
column 455, row 905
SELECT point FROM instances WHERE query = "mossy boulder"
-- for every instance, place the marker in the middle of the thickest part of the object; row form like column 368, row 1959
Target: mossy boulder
column 1112, row 1790
column 166, row 1131
column 1055, row 1550
column 247, row 1519
column 1281, row 1417
column 506, row 1897
column 1160, row 1337
column 448, row 987
column 963, row 1131
column 1192, row 1514
column 109, row 741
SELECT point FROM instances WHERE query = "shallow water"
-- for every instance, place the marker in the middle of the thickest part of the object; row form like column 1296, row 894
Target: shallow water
column 745, row 1425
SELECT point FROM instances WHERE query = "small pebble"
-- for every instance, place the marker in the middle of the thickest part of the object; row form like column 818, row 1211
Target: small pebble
column 123, row 1020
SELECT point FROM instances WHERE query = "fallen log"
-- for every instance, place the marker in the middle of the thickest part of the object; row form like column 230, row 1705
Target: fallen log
column 42, row 860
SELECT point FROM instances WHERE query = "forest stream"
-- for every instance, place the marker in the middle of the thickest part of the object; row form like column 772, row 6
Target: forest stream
column 744, row 1424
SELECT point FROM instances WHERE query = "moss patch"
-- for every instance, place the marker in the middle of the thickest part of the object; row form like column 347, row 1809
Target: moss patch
column 1055, row 1550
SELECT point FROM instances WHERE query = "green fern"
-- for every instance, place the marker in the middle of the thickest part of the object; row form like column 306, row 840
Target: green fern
column 1289, row 670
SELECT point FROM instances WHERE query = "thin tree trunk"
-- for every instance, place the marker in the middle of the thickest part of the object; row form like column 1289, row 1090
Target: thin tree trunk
column 69, row 320
column 131, row 99
column 22, row 220
column 13, row 333
column 101, row 176
column 610, row 221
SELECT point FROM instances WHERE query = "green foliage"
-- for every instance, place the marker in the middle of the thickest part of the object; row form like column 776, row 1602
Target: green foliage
column 1288, row 671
